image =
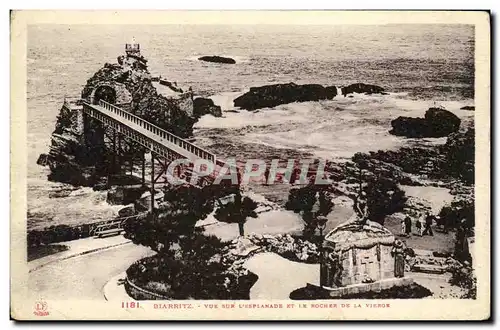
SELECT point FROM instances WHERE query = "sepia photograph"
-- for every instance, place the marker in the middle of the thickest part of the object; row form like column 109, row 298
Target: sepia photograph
column 252, row 169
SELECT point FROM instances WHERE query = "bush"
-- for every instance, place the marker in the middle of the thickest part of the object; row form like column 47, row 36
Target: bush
column 196, row 269
column 462, row 275
column 383, row 197
column 303, row 200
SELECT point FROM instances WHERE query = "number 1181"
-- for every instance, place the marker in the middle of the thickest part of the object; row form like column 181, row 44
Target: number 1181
column 132, row 304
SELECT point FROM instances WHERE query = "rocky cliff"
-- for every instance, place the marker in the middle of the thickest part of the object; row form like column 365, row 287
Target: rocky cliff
column 80, row 160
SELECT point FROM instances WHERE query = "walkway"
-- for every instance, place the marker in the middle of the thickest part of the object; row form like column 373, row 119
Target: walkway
column 78, row 247
column 143, row 132
column 278, row 276
column 83, row 276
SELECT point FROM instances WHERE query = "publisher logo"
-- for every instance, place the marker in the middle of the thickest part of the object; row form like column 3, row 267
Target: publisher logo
column 41, row 308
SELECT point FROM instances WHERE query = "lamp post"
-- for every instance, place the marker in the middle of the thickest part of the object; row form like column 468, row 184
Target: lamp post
column 321, row 224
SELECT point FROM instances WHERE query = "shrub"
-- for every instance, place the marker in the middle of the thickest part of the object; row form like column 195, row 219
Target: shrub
column 462, row 275
column 383, row 197
column 194, row 270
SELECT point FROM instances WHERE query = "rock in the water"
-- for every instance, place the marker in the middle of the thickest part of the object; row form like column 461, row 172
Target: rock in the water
column 362, row 88
column 125, row 194
column 203, row 106
column 468, row 107
column 217, row 59
column 273, row 95
column 437, row 123
column 43, row 159
column 442, row 122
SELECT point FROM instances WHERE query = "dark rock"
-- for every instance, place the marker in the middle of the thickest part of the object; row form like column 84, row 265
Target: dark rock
column 217, row 59
column 468, row 107
column 409, row 127
column 203, row 106
column 43, row 160
column 442, row 122
column 437, row 123
column 125, row 194
column 362, row 88
column 273, row 95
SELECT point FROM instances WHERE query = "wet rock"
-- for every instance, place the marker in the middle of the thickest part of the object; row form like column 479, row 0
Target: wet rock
column 125, row 194
column 273, row 95
column 468, row 107
column 203, row 106
column 436, row 123
column 217, row 59
column 362, row 89
column 43, row 160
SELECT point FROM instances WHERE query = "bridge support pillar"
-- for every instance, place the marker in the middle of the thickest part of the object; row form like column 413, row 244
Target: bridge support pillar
column 144, row 167
column 152, row 182
column 119, row 153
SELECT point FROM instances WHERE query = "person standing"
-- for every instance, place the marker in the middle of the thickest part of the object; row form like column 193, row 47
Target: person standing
column 403, row 227
column 418, row 225
column 408, row 225
column 398, row 252
column 428, row 225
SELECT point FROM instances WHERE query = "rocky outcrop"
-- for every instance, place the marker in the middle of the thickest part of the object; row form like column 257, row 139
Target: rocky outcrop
column 123, row 195
column 203, row 106
column 468, row 107
column 217, row 59
column 362, row 89
column 274, row 95
column 438, row 122
column 83, row 160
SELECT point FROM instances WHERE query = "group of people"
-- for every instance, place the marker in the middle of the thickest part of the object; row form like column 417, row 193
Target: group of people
column 423, row 226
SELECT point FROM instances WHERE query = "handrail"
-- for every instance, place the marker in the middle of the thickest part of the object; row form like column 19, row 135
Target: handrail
column 172, row 138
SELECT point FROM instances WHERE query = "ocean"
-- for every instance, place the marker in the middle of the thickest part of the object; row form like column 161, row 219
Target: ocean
column 419, row 65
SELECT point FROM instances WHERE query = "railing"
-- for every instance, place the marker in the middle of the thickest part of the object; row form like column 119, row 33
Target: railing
column 111, row 224
column 174, row 139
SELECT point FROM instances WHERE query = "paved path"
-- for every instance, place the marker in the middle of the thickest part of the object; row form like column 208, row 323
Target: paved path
column 83, row 277
column 278, row 276
column 79, row 247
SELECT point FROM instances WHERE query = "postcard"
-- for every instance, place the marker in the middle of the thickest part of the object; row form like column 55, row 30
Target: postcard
column 250, row 165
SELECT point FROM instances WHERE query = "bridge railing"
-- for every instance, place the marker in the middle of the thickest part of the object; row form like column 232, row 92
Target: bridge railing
column 172, row 138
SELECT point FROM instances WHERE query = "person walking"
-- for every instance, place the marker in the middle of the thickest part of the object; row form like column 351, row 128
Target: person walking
column 408, row 225
column 428, row 224
column 418, row 225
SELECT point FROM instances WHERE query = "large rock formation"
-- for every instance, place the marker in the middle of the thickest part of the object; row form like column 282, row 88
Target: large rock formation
column 217, row 59
column 203, row 106
column 273, row 95
column 437, row 123
column 362, row 89
column 83, row 160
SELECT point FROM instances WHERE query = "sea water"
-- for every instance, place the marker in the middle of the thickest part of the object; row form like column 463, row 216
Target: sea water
column 419, row 65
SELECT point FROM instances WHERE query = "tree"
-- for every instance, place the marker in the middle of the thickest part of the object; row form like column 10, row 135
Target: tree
column 237, row 211
column 310, row 201
column 379, row 198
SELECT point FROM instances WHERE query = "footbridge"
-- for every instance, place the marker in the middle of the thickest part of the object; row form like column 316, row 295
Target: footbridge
column 163, row 146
